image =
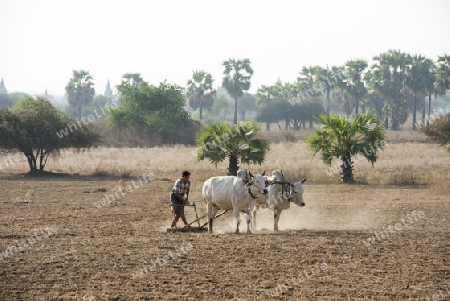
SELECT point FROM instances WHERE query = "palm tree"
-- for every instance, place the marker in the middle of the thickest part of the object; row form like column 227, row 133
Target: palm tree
column 200, row 91
column 306, row 82
column 323, row 77
column 237, row 79
column 353, row 70
column 418, row 75
column 80, row 90
column 387, row 77
column 442, row 83
column 218, row 141
column 342, row 138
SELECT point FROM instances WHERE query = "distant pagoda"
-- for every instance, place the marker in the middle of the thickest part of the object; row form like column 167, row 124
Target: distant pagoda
column 108, row 91
column 3, row 88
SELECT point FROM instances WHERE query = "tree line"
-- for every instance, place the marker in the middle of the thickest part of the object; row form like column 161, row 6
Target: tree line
column 385, row 88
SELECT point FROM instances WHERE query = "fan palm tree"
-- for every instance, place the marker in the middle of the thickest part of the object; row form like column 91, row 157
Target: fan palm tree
column 387, row 77
column 443, row 74
column 355, row 86
column 80, row 90
column 200, row 91
column 323, row 78
column 218, row 141
column 342, row 138
column 306, row 82
column 418, row 74
column 237, row 79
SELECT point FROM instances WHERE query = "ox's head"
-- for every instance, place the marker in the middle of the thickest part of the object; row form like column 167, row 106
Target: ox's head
column 296, row 194
column 257, row 182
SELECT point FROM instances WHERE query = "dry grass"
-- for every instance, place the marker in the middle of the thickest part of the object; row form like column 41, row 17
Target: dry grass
column 400, row 163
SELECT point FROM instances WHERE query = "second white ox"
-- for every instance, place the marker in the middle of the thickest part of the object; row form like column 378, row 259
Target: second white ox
column 281, row 193
column 233, row 193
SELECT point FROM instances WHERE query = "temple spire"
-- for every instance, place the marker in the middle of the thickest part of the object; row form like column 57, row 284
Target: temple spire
column 108, row 91
column 3, row 88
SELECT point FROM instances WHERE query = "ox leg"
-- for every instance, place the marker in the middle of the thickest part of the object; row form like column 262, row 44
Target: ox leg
column 254, row 212
column 275, row 221
column 210, row 216
column 276, row 218
column 249, row 220
column 238, row 220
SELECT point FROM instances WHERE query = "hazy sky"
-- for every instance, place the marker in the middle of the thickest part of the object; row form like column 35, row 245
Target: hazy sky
column 42, row 41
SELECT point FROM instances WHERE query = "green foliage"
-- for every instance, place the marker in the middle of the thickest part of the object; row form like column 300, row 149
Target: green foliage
column 158, row 109
column 80, row 90
column 296, row 114
column 439, row 130
column 32, row 127
column 100, row 106
column 342, row 138
column 273, row 112
column 304, row 112
column 218, row 141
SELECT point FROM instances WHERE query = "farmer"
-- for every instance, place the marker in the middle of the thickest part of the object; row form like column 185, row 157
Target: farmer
column 179, row 198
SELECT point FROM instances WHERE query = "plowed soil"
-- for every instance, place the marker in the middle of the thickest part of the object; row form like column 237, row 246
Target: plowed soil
column 320, row 253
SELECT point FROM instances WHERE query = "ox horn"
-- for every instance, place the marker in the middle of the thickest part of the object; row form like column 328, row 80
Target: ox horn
column 303, row 181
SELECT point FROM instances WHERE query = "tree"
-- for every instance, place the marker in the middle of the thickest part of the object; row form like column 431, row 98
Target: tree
column 323, row 78
column 430, row 89
column 442, row 74
column 273, row 112
column 80, row 90
column 306, row 82
column 33, row 128
column 300, row 113
column 200, row 91
column 353, row 71
column 247, row 103
column 418, row 75
column 387, row 77
column 439, row 130
column 220, row 108
column 218, row 141
column 132, row 79
column 238, row 74
column 342, row 138
column 158, row 110
column 264, row 97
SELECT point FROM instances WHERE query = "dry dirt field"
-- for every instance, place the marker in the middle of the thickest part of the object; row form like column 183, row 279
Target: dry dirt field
column 62, row 247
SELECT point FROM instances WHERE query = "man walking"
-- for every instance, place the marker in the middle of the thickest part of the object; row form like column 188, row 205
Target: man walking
column 179, row 197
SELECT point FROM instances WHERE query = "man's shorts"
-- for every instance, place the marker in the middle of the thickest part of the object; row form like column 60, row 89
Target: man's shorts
column 177, row 204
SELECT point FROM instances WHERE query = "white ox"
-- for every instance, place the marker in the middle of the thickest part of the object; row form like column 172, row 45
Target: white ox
column 281, row 194
column 233, row 193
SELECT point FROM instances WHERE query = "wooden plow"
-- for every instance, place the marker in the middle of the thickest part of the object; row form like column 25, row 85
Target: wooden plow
column 199, row 228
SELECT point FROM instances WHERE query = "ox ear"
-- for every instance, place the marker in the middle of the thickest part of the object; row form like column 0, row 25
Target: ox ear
column 304, row 180
column 263, row 173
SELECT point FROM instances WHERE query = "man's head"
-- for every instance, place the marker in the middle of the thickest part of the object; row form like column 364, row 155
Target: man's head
column 186, row 174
